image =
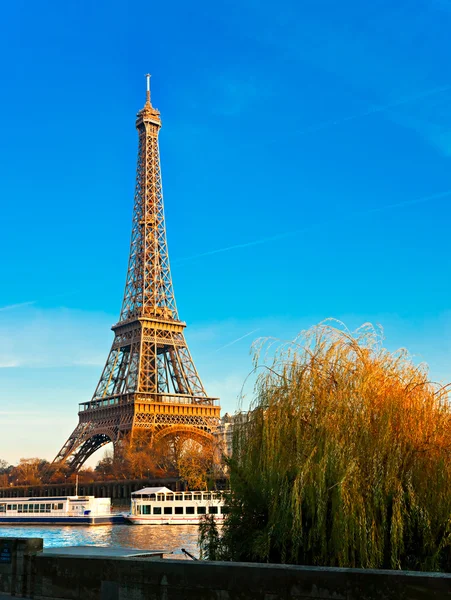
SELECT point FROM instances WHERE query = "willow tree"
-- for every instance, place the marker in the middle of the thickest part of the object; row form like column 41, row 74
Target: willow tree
column 344, row 459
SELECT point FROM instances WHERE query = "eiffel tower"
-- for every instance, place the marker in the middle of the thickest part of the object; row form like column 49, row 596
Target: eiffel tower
column 149, row 381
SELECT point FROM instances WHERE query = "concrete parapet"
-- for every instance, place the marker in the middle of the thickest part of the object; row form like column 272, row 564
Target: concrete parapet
column 26, row 571
column 17, row 564
column 141, row 579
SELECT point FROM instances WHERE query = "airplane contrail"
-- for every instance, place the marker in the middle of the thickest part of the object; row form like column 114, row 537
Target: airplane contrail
column 325, row 124
column 237, row 340
column 18, row 305
column 320, row 224
column 372, row 111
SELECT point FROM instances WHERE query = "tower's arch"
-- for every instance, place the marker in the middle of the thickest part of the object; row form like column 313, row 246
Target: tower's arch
column 204, row 438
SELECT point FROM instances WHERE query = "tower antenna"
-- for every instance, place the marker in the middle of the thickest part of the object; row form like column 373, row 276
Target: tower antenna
column 148, row 87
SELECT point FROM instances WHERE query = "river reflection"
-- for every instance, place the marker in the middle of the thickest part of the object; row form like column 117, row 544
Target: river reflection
column 170, row 538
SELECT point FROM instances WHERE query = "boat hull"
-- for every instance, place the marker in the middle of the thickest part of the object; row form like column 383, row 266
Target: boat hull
column 61, row 520
column 142, row 520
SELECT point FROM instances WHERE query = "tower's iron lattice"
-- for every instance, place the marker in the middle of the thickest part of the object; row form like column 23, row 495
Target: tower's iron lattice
column 149, row 381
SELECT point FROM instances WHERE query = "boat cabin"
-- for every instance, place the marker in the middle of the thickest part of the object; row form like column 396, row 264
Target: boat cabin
column 69, row 506
column 163, row 501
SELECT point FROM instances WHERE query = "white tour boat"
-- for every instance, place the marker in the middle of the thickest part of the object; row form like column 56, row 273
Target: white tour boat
column 162, row 506
column 60, row 510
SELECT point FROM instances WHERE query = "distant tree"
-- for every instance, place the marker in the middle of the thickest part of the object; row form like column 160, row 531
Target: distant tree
column 104, row 468
column 196, row 464
column 86, row 475
column 57, row 473
column 132, row 459
column 5, row 470
column 345, row 460
column 29, row 471
column 140, row 458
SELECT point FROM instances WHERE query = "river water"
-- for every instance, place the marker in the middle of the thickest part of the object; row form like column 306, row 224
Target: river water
column 170, row 538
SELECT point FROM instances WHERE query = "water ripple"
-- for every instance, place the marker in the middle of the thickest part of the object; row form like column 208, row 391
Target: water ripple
column 171, row 538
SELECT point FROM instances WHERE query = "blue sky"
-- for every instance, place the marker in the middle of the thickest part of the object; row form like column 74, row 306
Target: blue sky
column 306, row 156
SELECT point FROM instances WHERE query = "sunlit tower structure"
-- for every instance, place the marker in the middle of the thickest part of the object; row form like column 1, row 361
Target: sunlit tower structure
column 149, row 381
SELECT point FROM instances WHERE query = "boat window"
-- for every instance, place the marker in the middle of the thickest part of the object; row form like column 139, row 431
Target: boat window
column 2, row 507
column 160, row 497
column 168, row 510
column 25, row 508
column 201, row 510
column 215, row 496
column 42, row 508
column 152, row 497
column 157, row 510
column 60, row 506
column 179, row 497
column 8, row 507
column 48, row 508
column 197, row 496
column 169, row 497
column 146, row 509
column 36, row 508
column 213, row 510
column 188, row 497
column 207, row 496
column 20, row 507
column 178, row 510
column 14, row 506
column 189, row 510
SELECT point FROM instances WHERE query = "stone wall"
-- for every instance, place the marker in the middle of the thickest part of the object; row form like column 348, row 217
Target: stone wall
column 48, row 576
column 142, row 579
column 17, row 564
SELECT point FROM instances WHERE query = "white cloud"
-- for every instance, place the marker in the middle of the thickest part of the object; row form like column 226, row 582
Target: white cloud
column 40, row 338
column 9, row 413
column 9, row 364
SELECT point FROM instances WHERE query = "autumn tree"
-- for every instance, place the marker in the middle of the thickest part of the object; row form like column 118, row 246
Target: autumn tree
column 105, row 467
column 135, row 458
column 196, row 464
column 5, row 470
column 344, row 459
column 29, row 471
column 172, row 456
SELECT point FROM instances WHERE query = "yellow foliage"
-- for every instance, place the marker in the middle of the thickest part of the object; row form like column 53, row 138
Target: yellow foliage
column 344, row 459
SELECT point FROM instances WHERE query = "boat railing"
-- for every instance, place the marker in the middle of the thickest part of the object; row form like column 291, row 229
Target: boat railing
column 177, row 496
